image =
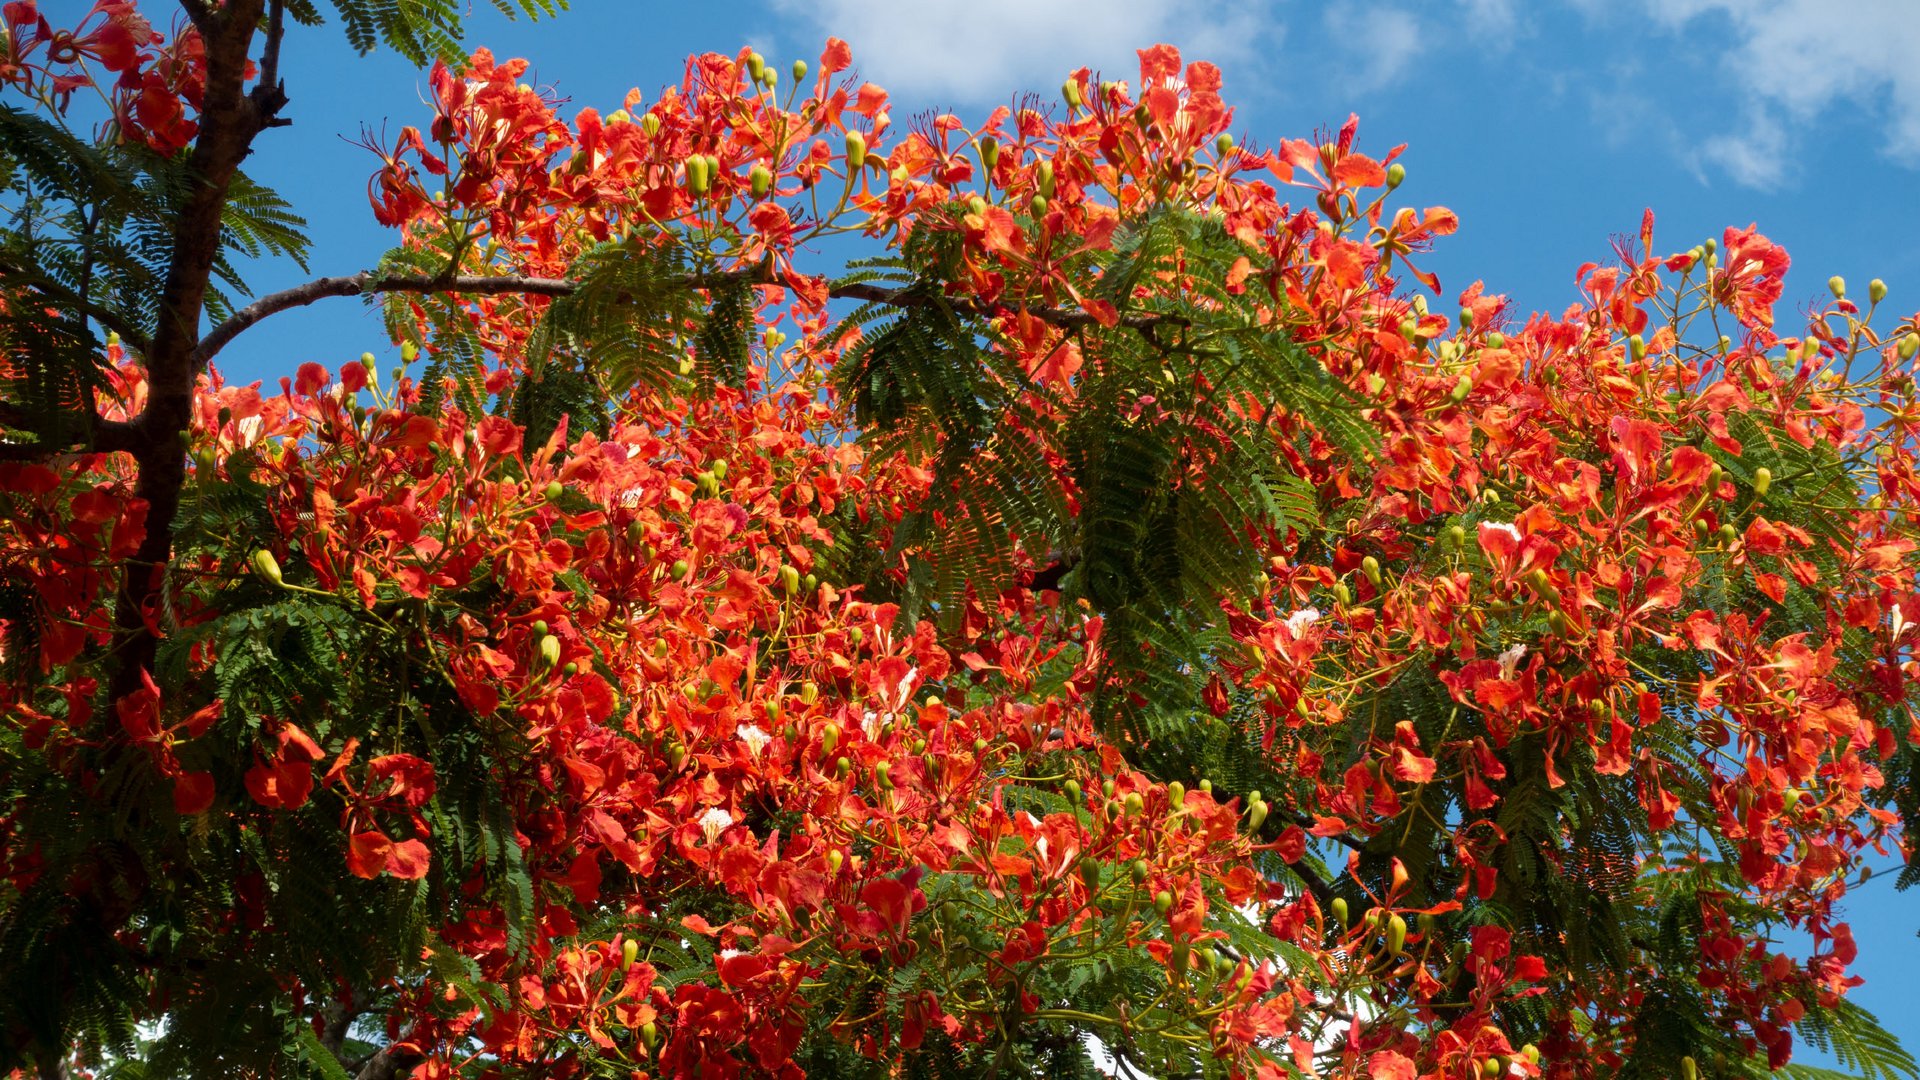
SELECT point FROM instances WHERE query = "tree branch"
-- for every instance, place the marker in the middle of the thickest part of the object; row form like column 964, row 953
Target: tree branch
column 361, row 284
column 336, row 1020
column 104, row 437
column 385, row 1065
column 1308, row 824
column 18, row 274
column 368, row 281
column 269, row 94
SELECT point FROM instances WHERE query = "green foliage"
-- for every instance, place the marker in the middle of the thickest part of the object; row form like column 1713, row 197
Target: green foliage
column 1857, row 1040
column 1162, row 441
column 419, row 30
column 89, row 227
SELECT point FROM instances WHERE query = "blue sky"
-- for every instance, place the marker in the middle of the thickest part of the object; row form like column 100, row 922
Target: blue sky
column 1548, row 126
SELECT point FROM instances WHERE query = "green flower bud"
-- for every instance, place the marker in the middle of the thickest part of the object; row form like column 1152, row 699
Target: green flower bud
column 570, row 669
column 1370, row 566
column 553, row 490
column 1043, row 178
column 1396, row 175
column 1139, row 871
column 1496, row 340
column 1876, row 290
column 1070, row 90
column 1073, row 793
column 1038, row 207
column 1762, row 480
column 834, row 860
column 799, row 70
column 856, row 151
column 1396, row 935
column 1223, row 145
column 989, row 152
column 1134, row 803
column 549, row 651
column 756, row 66
column 1837, row 285
column 790, row 580
column 761, row 180
column 1256, row 816
column 1340, row 913
column 1460, row 390
column 629, row 952
column 1177, row 795
column 679, row 568
column 1162, row 901
column 841, row 767
column 698, row 178
column 1909, row 344
column 267, row 566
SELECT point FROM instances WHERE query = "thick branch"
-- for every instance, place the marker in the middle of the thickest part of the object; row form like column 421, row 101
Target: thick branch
column 269, row 94
column 229, row 120
column 336, row 1020
column 385, row 1065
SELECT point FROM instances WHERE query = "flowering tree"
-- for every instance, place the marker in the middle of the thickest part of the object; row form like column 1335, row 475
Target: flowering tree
column 1117, row 619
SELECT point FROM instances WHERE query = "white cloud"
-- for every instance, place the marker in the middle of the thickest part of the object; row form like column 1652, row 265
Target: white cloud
column 950, row 52
column 1496, row 19
column 1755, row 156
column 1381, row 40
column 1797, row 62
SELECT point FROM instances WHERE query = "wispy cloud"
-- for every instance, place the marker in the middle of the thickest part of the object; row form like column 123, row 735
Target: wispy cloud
column 1797, row 63
column 1492, row 22
column 1381, row 41
column 973, row 51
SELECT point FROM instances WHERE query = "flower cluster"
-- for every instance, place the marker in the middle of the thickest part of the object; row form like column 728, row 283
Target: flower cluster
column 741, row 799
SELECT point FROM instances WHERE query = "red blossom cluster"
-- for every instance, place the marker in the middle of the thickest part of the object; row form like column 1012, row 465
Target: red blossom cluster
column 151, row 83
column 647, row 613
